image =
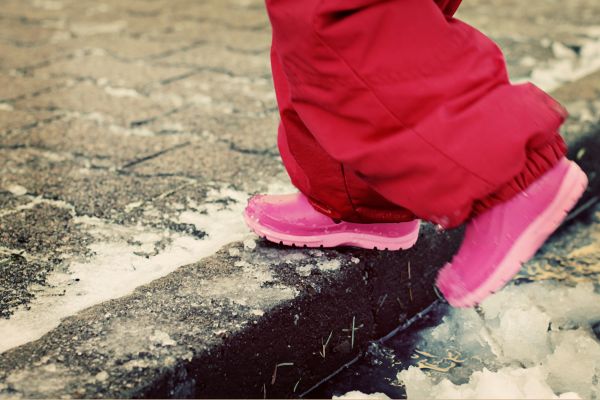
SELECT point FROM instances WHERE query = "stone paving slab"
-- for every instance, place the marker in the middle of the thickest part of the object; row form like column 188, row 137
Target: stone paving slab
column 131, row 134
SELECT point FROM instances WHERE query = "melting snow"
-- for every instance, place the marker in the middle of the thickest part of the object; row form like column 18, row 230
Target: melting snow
column 568, row 66
column 528, row 341
column 127, row 253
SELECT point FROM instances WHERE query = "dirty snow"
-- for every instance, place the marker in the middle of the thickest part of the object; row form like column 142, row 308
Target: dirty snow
column 329, row 265
column 136, row 255
column 529, row 341
column 359, row 395
column 568, row 65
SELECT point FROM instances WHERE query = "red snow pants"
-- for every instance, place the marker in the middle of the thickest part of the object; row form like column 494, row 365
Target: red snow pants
column 393, row 109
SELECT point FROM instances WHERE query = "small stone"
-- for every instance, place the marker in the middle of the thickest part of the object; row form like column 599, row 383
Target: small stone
column 250, row 244
column 304, row 270
column 17, row 190
column 101, row 376
column 50, row 367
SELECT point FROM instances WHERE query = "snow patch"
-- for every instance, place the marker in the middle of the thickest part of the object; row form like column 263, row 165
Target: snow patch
column 329, row 265
column 507, row 383
column 568, row 66
column 528, row 341
column 136, row 255
column 36, row 201
column 254, row 287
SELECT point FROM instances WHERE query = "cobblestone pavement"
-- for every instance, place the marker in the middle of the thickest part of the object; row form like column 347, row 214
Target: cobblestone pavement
column 127, row 128
column 124, row 113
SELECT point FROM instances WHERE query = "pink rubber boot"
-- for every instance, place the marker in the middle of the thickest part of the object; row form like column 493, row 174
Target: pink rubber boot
column 292, row 220
column 500, row 240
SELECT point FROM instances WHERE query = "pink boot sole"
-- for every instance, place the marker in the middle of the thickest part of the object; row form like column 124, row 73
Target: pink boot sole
column 357, row 239
column 524, row 247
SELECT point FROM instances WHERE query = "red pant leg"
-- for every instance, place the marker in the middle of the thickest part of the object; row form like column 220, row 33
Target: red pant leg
column 415, row 103
column 333, row 190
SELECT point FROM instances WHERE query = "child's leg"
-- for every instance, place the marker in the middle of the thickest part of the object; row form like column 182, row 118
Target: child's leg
column 339, row 195
column 329, row 186
column 501, row 239
column 414, row 102
column 418, row 106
